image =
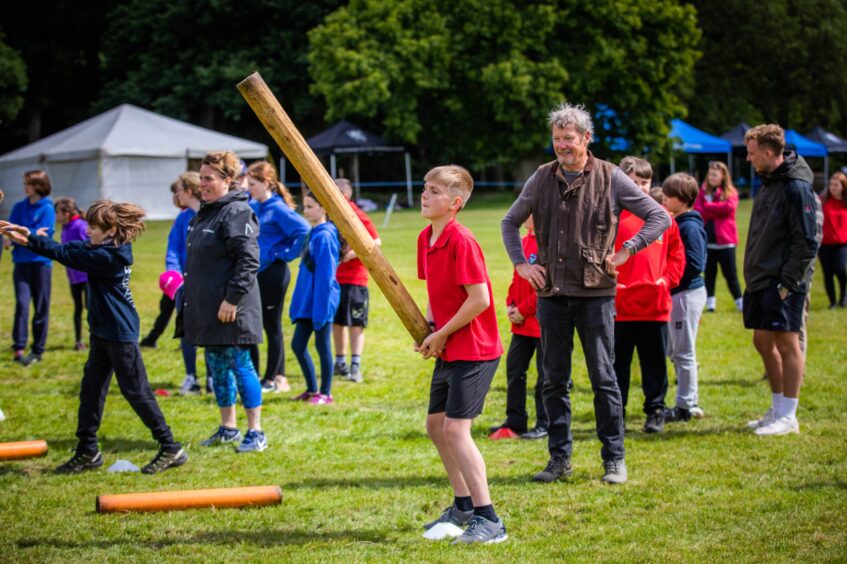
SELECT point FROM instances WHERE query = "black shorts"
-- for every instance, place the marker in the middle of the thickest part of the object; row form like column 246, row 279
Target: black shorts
column 458, row 388
column 764, row 309
column 353, row 307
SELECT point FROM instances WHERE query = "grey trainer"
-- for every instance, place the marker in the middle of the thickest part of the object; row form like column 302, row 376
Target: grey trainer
column 557, row 467
column 452, row 515
column 481, row 530
column 615, row 471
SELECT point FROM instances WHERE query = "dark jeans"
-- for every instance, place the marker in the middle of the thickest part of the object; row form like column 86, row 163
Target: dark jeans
column 273, row 284
column 323, row 343
column 520, row 354
column 124, row 360
column 593, row 319
column 166, row 309
column 33, row 281
column 834, row 262
column 726, row 259
column 78, row 293
column 650, row 339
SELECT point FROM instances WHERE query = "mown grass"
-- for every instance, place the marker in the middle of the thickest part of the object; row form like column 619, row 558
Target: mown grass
column 360, row 477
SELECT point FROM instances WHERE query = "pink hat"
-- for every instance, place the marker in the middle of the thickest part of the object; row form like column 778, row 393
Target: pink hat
column 170, row 282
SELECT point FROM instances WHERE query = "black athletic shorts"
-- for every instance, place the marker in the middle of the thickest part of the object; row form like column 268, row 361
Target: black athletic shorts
column 353, row 307
column 764, row 309
column 458, row 388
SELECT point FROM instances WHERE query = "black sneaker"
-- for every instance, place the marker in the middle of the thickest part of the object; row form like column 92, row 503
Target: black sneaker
column 557, row 467
column 452, row 515
column 147, row 343
column 31, row 358
column 80, row 462
column 209, row 389
column 164, row 460
column 223, row 435
column 538, row 432
column 340, row 369
column 675, row 414
column 482, row 531
column 655, row 421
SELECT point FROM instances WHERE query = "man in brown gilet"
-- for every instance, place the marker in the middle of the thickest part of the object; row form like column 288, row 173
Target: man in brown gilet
column 575, row 202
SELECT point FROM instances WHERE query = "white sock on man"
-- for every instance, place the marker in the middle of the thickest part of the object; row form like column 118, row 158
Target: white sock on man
column 711, row 302
column 776, row 403
column 739, row 304
column 788, row 407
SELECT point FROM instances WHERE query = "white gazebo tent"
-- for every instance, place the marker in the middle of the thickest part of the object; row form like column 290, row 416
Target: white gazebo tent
column 126, row 154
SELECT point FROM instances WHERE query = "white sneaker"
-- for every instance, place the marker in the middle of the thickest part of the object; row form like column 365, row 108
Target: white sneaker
column 768, row 418
column 782, row 426
column 2, row 417
column 189, row 386
column 739, row 304
column 697, row 412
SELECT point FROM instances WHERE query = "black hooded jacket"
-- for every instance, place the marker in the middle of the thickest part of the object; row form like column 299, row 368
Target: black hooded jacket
column 221, row 264
column 784, row 236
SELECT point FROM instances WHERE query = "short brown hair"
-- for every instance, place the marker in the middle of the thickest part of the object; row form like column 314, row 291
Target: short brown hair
column 768, row 135
column 639, row 167
column 657, row 194
column 225, row 163
column 264, row 171
column 127, row 219
column 67, row 205
column 456, row 178
column 2, row 195
column 190, row 183
column 39, row 181
column 681, row 186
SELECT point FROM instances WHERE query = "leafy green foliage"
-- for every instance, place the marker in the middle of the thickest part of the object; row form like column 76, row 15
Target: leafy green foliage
column 473, row 80
column 13, row 82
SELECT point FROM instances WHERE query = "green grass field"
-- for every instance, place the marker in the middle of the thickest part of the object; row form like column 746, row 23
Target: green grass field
column 360, row 477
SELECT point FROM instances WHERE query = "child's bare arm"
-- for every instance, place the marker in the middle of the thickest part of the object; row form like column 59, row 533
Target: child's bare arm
column 477, row 301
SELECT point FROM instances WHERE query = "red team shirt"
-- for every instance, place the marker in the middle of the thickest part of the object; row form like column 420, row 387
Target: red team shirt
column 353, row 271
column 523, row 295
column 834, row 222
column 455, row 261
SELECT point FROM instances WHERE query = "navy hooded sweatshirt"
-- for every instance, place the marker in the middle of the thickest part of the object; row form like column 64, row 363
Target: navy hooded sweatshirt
column 111, row 310
column 693, row 236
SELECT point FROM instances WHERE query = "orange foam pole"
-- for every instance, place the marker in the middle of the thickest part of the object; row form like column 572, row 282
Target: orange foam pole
column 23, row 449
column 190, row 499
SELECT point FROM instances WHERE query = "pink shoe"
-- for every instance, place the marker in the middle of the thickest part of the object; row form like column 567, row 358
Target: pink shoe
column 305, row 396
column 321, row 399
column 80, row 346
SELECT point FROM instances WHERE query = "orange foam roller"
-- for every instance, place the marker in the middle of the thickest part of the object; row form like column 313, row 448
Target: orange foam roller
column 190, row 499
column 23, row 449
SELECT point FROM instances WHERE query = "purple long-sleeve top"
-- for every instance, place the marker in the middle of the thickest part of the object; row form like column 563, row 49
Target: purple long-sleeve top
column 74, row 230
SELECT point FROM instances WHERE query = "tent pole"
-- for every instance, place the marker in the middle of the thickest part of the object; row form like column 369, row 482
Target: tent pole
column 673, row 164
column 282, row 169
column 332, row 166
column 409, row 179
column 826, row 170
column 729, row 162
column 356, row 176
column 690, row 164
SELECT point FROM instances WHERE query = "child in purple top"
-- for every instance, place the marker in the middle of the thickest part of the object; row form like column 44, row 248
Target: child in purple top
column 74, row 229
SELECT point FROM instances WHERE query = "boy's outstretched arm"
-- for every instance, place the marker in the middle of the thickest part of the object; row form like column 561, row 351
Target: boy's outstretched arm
column 477, row 301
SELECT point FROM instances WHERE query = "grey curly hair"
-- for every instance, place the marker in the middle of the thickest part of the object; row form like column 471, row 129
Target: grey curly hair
column 569, row 114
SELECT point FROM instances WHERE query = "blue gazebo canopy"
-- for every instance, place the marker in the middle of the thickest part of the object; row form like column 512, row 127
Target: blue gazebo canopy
column 693, row 140
column 803, row 145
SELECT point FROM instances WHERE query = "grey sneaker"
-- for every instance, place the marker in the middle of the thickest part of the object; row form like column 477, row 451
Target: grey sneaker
column 452, row 515
column 557, row 467
column 164, row 460
column 254, row 441
column 80, row 462
column 340, row 369
column 223, row 435
column 481, row 530
column 189, row 386
column 31, row 358
column 356, row 374
column 655, row 421
column 615, row 471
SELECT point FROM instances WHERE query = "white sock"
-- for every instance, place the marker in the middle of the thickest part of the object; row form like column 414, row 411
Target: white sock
column 788, row 407
column 776, row 403
column 710, row 302
column 739, row 304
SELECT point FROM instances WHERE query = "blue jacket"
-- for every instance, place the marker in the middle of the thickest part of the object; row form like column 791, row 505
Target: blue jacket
column 693, row 236
column 111, row 310
column 177, row 251
column 34, row 216
column 281, row 231
column 317, row 293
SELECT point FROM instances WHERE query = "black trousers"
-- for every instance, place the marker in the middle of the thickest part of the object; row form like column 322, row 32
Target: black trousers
column 33, row 281
column 650, row 339
column 521, row 350
column 834, row 262
column 124, row 360
column 593, row 320
column 78, row 293
column 726, row 259
column 166, row 309
column 273, row 284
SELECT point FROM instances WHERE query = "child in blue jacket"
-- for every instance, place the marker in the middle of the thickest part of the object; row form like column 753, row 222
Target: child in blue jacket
column 113, row 321
column 315, row 299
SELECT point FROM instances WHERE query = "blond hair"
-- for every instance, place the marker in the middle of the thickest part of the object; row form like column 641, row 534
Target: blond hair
column 456, row 178
column 726, row 181
column 190, row 183
column 127, row 219
column 768, row 135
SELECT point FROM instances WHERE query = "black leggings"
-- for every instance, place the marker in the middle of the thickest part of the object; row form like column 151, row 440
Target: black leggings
column 78, row 292
column 726, row 259
column 273, row 284
column 834, row 262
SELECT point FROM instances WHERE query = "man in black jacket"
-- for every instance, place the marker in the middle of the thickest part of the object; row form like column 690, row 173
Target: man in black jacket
column 782, row 242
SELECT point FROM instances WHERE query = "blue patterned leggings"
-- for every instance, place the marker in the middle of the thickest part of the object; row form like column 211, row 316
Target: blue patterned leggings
column 231, row 369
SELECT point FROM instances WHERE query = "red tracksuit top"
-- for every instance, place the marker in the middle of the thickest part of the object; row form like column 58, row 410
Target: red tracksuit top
column 522, row 294
column 646, row 279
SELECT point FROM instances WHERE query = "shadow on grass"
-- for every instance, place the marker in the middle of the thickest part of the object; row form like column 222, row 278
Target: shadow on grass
column 382, row 482
column 822, row 485
column 262, row 538
column 672, row 432
column 751, row 382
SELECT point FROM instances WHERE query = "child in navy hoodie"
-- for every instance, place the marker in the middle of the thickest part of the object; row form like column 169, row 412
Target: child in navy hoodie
column 689, row 297
column 107, row 258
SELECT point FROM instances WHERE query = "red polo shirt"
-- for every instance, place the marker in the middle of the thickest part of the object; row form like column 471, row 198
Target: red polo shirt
column 453, row 262
column 353, row 271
